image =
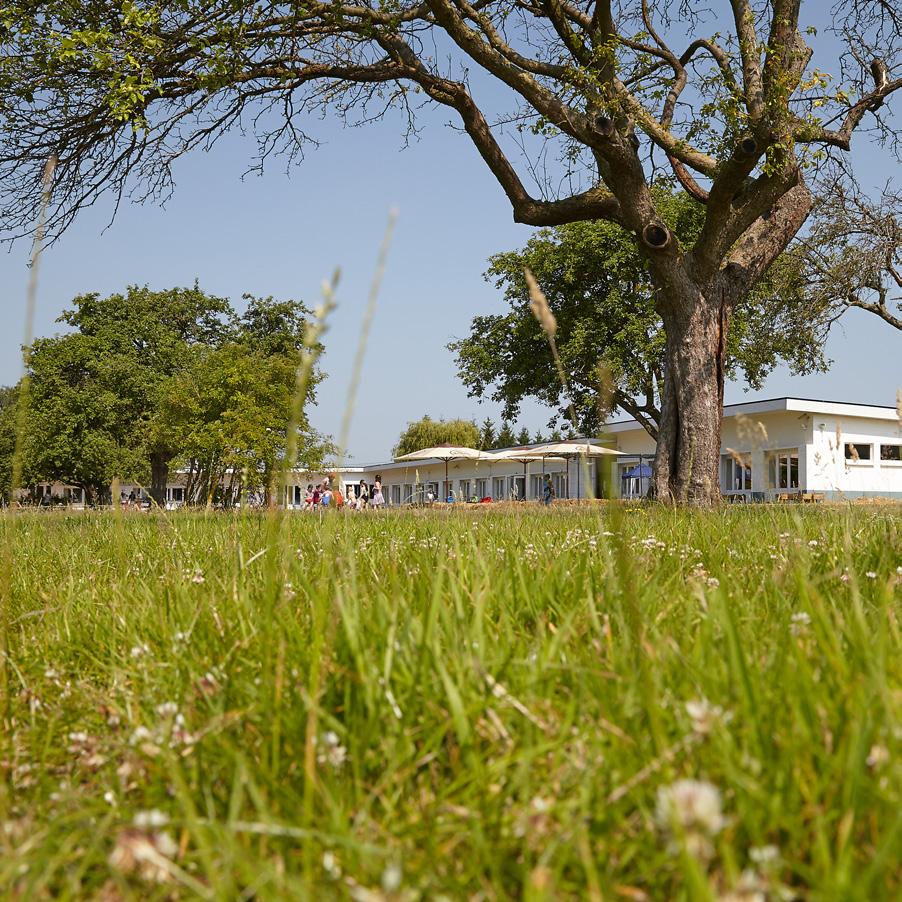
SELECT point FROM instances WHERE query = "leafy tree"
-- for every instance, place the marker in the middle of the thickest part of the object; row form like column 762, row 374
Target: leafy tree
column 505, row 437
column 599, row 288
column 487, row 435
column 227, row 413
column 538, row 438
column 94, row 411
column 7, row 439
column 150, row 376
column 599, row 97
column 427, row 433
column 523, row 437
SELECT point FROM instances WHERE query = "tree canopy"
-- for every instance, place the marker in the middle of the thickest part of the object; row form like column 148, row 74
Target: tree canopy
column 427, row 433
column 145, row 378
column 599, row 289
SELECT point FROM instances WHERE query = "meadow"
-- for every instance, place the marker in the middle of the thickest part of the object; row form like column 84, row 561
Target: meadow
column 606, row 703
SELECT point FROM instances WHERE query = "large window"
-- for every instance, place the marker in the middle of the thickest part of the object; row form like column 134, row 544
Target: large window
column 891, row 453
column 463, row 490
column 560, row 485
column 783, row 470
column 482, row 488
column 395, row 494
column 498, row 491
column 858, row 452
column 737, row 473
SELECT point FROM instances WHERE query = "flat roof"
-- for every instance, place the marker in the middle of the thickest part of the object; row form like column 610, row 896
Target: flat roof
column 803, row 405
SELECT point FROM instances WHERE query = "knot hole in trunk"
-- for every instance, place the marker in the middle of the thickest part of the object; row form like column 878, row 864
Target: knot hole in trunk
column 656, row 235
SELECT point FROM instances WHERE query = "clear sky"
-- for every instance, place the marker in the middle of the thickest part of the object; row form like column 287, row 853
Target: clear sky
column 282, row 234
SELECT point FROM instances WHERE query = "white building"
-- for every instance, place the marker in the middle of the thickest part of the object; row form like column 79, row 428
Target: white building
column 784, row 447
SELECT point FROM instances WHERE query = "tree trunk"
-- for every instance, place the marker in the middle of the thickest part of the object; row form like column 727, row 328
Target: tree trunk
column 159, row 476
column 687, row 459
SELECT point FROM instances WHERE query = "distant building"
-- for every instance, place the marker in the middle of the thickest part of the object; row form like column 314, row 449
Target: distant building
column 769, row 449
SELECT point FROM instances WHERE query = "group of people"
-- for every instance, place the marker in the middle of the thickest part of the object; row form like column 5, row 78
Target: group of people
column 359, row 497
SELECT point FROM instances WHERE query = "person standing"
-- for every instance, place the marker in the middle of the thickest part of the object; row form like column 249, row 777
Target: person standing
column 547, row 490
column 363, row 495
column 378, row 497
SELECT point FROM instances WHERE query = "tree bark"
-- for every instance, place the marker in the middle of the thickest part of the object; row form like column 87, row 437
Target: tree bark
column 159, row 476
column 687, row 458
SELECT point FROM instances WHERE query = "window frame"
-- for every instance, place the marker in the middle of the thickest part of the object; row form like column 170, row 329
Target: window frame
column 861, row 461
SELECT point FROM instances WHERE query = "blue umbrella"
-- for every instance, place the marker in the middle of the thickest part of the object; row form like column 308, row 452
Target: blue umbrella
column 643, row 471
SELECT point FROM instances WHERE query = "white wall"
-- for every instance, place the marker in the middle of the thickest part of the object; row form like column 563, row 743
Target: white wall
column 831, row 472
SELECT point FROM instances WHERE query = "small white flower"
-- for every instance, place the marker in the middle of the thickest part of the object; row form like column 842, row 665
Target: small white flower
column 704, row 715
column 879, row 754
column 150, row 820
column 799, row 623
column 713, row 582
column 871, row 575
column 331, row 866
column 138, row 651
column 391, row 878
column 198, row 577
column 167, row 709
column 691, row 804
column 140, row 734
column 109, row 797
column 764, row 855
column 813, row 543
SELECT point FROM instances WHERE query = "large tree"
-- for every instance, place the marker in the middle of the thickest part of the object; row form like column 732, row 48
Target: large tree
column 725, row 94
column 96, row 390
column 427, row 433
column 599, row 290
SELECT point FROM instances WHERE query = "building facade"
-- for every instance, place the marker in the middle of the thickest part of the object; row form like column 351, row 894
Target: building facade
column 783, row 447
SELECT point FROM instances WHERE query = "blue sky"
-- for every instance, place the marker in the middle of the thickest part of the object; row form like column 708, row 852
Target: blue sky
column 282, row 234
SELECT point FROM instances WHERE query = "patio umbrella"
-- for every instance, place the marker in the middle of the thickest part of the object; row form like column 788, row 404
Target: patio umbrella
column 447, row 453
column 526, row 456
column 573, row 449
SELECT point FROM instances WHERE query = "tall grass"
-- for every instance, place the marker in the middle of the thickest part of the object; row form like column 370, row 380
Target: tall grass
column 473, row 704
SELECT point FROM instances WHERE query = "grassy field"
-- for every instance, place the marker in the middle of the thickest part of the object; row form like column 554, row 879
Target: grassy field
column 616, row 703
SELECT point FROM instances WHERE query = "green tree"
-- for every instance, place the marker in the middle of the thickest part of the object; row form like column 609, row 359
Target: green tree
column 599, row 288
column 598, row 98
column 487, row 435
column 523, row 437
column 227, row 413
column 505, row 437
column 8, row 396
column 94, row 409
column 427, row 433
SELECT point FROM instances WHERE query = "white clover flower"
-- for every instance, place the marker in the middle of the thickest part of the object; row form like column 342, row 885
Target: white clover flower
column 109, row 797
column 713, row 582
column 391, row 878
column 764, row 855
column 198, row 577
column 871, row 575
column 138, row 651
column 331, row 866
column 167, row 709
column 140, row 734
column 799, row 623
column 693, row 805
column 704, row 715
column 879, row 754
column 150, row 820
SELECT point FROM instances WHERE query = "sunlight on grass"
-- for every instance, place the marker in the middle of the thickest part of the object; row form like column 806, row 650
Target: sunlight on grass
column 613, row 703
